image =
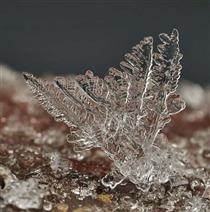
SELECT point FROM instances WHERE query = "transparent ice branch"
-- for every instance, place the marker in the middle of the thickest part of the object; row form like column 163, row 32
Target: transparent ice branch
column 123, row 112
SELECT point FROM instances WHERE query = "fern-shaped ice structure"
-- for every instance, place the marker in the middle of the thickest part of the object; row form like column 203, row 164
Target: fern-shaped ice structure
column 123, row 112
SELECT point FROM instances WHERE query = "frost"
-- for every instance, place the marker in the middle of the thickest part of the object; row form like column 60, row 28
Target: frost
column 197, row 204
column 123, row 112
column 50, row 137
column 84, row 191
column 22, row 194
column 59, row 166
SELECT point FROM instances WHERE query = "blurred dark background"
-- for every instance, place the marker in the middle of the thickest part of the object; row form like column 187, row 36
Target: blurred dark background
column 60, row 36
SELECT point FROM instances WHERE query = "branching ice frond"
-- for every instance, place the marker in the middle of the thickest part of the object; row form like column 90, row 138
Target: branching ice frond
column 49, row 97
column 123, row 112
column 130, row 84
column 58, row 104
column 163, row 83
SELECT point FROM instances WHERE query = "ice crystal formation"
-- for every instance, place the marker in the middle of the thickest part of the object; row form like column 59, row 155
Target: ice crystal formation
column 123, row 112
column 40, row 171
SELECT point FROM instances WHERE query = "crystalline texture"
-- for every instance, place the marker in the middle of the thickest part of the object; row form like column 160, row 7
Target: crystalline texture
column 123, row 112
column 23, row 194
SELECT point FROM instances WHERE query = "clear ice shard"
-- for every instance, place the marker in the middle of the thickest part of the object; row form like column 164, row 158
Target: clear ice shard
column 123, row 112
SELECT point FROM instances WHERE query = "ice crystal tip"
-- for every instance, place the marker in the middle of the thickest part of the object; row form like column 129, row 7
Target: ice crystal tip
column 25, row 75
column 123, row 112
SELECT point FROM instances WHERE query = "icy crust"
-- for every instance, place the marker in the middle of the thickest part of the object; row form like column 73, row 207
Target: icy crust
column 24, row 194
column 123, row 112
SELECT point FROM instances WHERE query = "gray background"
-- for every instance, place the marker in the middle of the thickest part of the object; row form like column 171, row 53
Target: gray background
column 71, row 36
